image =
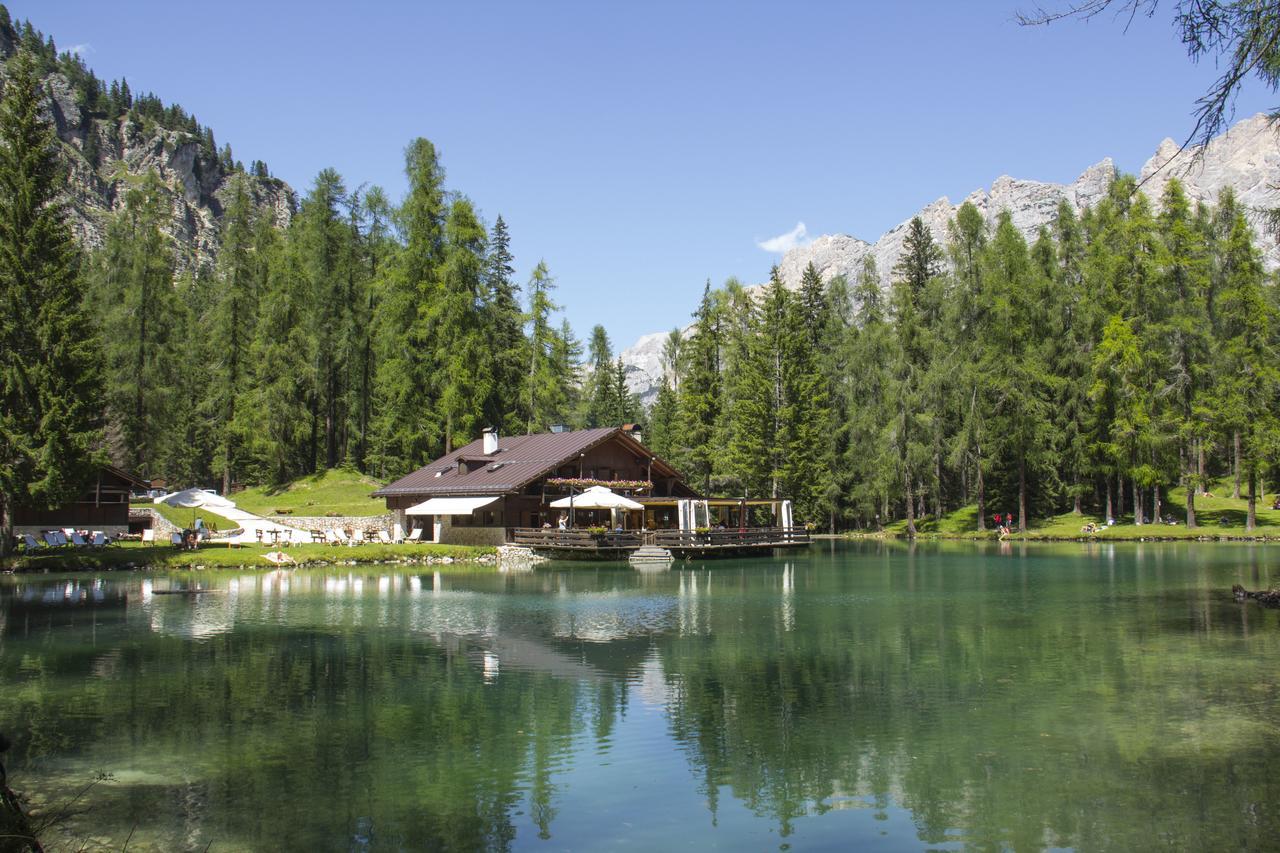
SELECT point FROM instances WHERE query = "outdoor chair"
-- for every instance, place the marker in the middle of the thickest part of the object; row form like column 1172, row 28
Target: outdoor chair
column 357, row 537
column 416, row 535
column 99, row 539
column 51, row 538
column 384, row 537
column 175, row 539
column 149, row 536
column 78, row 540
column 318, row 537
column 32, row 543
column 337, row 537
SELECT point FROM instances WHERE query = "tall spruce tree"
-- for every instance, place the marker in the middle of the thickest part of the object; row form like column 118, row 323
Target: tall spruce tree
column 407, row 431
column 50, row 390
column 503, row 322
column 695, row 452
column 137, row 310
column 463, row 355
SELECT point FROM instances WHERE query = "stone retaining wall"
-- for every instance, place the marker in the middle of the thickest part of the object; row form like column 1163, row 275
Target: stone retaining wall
column 367, row 523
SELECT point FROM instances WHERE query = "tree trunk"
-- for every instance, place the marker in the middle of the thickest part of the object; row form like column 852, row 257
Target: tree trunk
column 937, row 494
column 1110, row 515
column 1075, row 491
column 1022, row 493
column 1251, row 520
column 1235, row 463
column 6, row 526
column 1191, row 508
column 911, row 510
column 1200, row 464
column 982, row 499
column 1119, row 496
column 1137, row 503
column 1155, row 504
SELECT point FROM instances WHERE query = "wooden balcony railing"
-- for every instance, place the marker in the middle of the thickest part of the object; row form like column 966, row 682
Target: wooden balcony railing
column 582, row 540
column 585, row 540
column 751, row 536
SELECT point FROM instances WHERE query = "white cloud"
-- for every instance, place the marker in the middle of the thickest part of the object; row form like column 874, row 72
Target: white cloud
column 783, row 243
column 79, row 50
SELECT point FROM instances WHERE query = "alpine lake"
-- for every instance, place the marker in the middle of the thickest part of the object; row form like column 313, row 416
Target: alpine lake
column 852, row 696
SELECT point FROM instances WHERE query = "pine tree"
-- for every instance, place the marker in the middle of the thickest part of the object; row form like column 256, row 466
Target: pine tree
column 1247, row 388
column 503, row 322
column 696, row 451
column 325, row 243
column 137, row 309
column 463, row 356
column 231, row 327
column 1014, row 361
column 50, row 390
column 602, row 404
column 1186, row 335
column 408, row 433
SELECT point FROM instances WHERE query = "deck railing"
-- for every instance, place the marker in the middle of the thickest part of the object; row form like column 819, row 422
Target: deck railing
column 584, row 540
column 738, row 537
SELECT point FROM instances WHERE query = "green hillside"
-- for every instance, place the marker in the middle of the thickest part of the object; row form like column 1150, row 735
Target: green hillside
column 334, row 492
column 1216, row 515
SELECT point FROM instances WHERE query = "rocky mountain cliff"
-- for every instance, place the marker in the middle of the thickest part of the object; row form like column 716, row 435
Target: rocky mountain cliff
column 96, row 147
column 1245, row 158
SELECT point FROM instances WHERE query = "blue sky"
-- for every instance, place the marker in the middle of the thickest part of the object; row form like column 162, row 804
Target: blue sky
column 643, row 148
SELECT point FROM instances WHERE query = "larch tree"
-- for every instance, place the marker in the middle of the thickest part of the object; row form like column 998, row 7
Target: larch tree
column 137, row 310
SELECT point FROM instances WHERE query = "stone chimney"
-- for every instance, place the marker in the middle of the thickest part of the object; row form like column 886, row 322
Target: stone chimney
column 490, row 441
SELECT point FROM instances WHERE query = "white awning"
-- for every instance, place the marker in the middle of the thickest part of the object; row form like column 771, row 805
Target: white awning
column 450, row 506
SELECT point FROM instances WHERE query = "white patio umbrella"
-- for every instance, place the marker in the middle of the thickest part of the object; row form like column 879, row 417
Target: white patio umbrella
column 192, row 499
column 597, row 497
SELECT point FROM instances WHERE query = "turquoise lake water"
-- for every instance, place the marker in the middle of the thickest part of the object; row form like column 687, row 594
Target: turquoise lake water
column 857, row 696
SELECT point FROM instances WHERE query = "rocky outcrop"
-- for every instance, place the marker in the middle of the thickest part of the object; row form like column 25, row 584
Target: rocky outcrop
column 197, row 182
column 1245, row 158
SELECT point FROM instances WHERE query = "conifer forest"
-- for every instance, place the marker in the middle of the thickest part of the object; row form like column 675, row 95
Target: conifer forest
column 1123, row 352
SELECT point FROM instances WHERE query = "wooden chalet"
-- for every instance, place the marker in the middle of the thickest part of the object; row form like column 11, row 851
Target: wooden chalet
column 499, row 490
column 104, row 506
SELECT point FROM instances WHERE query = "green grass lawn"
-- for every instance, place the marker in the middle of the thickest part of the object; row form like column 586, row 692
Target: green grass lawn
column 334, row 492
column 212, row 556
column 182, row 516
column 1216, row 516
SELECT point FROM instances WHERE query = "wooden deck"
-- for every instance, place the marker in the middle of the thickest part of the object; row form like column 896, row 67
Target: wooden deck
column 583, row 544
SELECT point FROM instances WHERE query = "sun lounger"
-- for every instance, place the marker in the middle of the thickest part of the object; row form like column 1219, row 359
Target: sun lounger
column 416, row 535
column 357, row 537
column 384, row 537
column 32, row 543
column 99, row 539
column 149, row 536
column 175, row 538
column 78, row 540
column 51, row 538
column 338, row 537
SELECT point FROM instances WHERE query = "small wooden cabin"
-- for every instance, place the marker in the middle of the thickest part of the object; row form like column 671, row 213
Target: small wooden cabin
column 478, row 493
column 103, row 506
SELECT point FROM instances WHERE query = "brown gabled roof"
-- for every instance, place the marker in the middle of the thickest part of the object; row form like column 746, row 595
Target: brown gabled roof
column 127, row 477
column 520, row 460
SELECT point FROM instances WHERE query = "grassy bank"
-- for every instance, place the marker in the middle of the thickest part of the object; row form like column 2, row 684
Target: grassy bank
column 182, row 517
column 134, row 555
column 1218, row 516
column 334, row 492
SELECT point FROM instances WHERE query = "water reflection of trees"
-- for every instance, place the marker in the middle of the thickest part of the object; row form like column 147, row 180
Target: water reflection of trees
column 1097, row 705
column 998, row 717
column 385, row 731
